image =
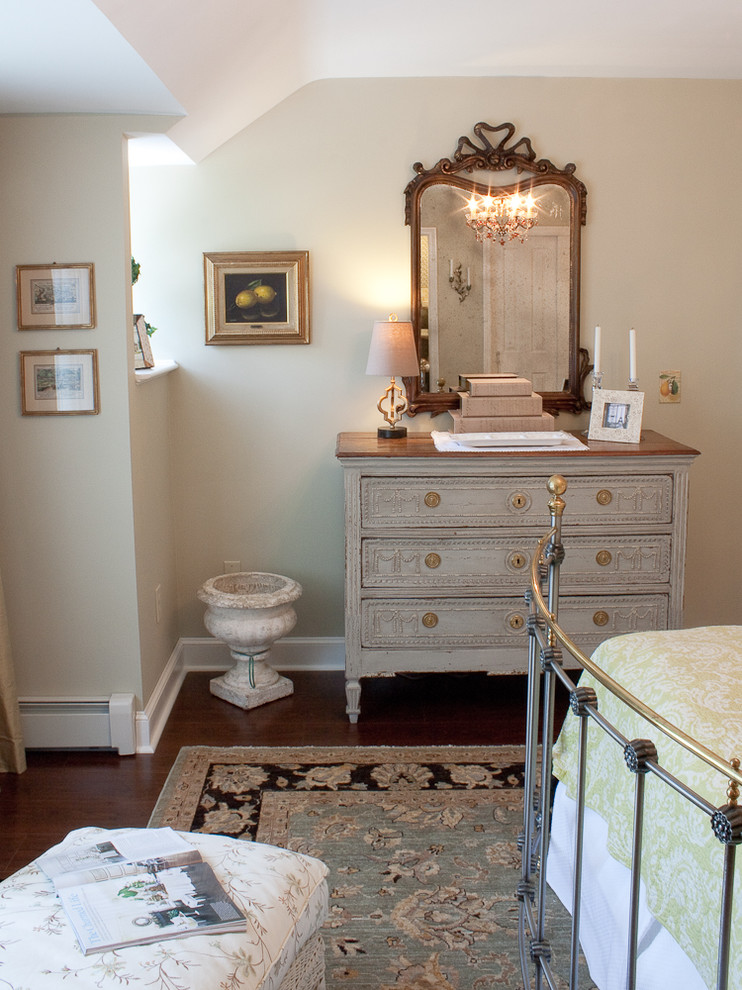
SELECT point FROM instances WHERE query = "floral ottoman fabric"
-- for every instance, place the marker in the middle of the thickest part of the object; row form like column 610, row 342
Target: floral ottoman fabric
column 283, row 895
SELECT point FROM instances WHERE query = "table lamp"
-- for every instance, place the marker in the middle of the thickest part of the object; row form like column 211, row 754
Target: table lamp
column 392, row 352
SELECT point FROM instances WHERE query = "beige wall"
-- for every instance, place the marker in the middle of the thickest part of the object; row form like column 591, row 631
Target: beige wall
column 73, row 533
column 65, row 495
column 93, row 515
column 154, row 530
column 254, row 428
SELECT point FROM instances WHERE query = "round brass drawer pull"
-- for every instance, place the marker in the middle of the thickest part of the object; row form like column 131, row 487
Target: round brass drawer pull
column 516, row 621
column 433, row 560
column 603, row 557
column 600, row 618
column 519, row 500
column 430, row 620
column 604, row 497
column 517, row 560
column 432, row 499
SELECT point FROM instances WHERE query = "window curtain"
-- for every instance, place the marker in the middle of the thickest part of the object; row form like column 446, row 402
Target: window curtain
column 12, row 753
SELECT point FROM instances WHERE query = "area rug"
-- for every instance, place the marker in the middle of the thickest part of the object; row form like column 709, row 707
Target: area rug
column 421, row 844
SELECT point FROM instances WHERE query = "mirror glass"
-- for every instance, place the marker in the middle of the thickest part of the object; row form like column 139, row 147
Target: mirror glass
column 484, row 306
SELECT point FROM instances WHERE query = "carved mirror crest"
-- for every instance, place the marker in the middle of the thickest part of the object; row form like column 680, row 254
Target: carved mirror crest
column 499, row 303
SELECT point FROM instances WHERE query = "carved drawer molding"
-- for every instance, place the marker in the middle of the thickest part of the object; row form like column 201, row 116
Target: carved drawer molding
column 501, row 563
column 393, row 502
column 448, row 623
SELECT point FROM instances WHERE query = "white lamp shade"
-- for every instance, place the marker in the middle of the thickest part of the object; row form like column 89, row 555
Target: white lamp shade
column 392, row 350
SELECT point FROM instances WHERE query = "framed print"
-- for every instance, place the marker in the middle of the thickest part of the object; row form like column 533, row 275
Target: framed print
column 142, row 348
column 616, row 416
column 670, row 386
column 257, row 297
column 59, row 383
column 51, row 297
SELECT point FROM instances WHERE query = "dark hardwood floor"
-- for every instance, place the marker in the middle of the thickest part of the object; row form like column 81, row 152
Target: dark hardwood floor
column 62, row 790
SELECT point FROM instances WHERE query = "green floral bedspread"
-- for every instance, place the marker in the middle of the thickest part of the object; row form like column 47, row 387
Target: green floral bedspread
column 693, row 678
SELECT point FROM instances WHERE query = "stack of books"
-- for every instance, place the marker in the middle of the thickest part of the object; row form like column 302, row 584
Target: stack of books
column 499, row 403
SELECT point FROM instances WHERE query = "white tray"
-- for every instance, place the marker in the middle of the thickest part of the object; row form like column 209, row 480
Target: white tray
column 552, row 438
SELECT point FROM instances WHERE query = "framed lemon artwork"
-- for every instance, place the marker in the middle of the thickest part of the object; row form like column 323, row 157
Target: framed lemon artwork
column 257, row 297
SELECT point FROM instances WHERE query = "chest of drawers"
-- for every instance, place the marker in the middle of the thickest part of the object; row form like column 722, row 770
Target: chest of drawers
column 439, row 547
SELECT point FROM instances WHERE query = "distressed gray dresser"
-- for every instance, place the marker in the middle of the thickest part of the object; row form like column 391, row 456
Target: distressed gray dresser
column 438, row 547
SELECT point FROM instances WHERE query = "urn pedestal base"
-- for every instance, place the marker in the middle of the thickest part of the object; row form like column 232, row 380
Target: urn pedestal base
column 251, row 682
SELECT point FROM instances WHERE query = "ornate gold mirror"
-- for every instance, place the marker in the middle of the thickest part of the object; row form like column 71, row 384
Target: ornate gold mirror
column 505, row 298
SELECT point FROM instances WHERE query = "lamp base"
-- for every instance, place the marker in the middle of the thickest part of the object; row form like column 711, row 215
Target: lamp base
column 392, row 433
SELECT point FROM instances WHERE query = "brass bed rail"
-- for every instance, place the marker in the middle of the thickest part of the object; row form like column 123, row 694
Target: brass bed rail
column 545, row 669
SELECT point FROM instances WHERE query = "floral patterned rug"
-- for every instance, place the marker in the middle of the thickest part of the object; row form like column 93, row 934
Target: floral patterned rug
column 421, row 843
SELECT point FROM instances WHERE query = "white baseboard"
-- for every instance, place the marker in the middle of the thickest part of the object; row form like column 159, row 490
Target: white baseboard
column 205, row 653
column 319, row 653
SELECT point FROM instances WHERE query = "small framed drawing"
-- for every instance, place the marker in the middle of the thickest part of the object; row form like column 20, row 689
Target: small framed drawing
column 51, row 297
column 142, row 348
column 257, row 297
column 59, row 383
column 616, row 416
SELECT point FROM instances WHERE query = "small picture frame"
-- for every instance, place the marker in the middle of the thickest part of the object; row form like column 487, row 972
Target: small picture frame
column 59, row 383
column 257, row 297
column 53, row 297
column 142, row 348
column 616, row 416
column 670, row 386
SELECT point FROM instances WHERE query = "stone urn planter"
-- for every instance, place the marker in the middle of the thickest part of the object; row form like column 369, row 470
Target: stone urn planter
column 249, row 611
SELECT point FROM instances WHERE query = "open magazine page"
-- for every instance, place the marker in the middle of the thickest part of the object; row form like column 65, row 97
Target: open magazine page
column 148, row 907
column 124, row 869
column 124, row 846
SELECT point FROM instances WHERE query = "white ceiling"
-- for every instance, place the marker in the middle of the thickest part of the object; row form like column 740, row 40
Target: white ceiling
column 220, row 64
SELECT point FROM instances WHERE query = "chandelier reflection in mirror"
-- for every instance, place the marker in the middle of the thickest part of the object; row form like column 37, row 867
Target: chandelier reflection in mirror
column 501, row 218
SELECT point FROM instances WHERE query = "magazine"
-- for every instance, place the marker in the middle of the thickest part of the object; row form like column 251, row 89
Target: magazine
column 139, row 886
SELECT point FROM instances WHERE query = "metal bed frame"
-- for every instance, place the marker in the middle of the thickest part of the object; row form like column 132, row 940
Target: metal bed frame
column 545, row 669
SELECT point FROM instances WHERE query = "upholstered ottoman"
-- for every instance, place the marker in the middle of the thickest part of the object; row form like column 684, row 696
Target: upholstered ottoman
column 283, row 895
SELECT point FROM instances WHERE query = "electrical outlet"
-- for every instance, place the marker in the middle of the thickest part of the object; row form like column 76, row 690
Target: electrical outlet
column 158, row 603
column 231, row 566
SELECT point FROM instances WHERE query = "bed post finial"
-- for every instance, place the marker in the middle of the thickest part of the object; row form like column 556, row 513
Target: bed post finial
column 557, row 486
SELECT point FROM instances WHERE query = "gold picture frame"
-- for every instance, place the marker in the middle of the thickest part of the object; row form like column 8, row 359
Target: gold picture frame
column 616, row 416
column 257, row 297
column 143, row 357
column 59, row 383
column 54, row 297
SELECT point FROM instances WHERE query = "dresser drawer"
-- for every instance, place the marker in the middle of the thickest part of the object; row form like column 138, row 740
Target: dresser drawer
column 448, row 623
column 588, row 620
column 442, row 623
column 591, row 619
column 403, row 564
column 388, row 502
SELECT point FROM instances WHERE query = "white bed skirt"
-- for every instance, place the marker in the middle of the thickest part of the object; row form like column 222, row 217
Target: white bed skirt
column 661, row 963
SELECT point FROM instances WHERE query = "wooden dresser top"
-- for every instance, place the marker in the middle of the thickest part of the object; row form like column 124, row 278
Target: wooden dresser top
column 421, row 445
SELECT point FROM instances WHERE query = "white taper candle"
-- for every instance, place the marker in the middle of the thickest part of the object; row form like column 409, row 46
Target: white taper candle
column 632, row 354
column 596, row 352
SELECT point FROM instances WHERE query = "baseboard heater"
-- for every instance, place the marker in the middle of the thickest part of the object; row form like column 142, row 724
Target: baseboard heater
column 97, row 723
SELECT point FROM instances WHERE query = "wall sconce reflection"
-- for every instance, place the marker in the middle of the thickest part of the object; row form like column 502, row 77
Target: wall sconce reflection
column 424, row 373
column 456, row 280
